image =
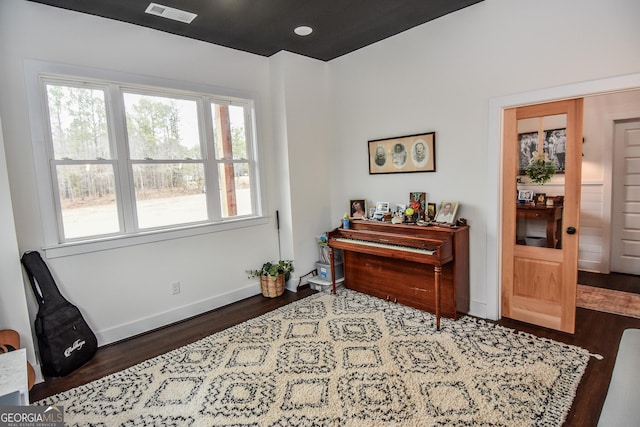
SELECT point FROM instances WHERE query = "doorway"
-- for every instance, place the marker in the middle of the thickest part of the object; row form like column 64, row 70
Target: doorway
column 497, row 106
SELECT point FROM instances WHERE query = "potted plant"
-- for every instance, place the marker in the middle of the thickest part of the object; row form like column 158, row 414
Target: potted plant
column 273, row 276
column 541, row 169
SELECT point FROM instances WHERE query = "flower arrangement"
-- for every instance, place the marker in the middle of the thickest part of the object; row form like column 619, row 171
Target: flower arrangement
column 273, row 268
column 413, row 211
column 541, row 169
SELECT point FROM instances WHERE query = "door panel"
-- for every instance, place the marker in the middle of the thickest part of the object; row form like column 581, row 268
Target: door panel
column 625, row 245
column 539, row 272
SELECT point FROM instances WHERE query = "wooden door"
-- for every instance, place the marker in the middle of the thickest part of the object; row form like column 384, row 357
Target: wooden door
column 625, row 215
column 539, row 283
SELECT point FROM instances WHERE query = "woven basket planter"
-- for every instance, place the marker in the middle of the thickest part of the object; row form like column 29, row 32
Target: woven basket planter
column 272, row 286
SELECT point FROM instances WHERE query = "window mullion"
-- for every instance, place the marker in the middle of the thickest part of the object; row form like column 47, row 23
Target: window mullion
column 211, row 165
column 124, row 170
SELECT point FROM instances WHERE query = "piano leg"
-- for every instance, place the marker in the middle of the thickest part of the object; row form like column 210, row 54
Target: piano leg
column 437, row 273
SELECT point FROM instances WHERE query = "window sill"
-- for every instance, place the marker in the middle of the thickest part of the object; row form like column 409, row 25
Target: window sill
column 76, row 248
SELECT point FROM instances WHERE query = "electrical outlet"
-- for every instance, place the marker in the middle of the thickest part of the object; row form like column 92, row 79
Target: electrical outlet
column 175, row 288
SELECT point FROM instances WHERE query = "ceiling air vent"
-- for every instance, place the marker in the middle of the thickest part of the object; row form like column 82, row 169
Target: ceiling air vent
column 170, row 13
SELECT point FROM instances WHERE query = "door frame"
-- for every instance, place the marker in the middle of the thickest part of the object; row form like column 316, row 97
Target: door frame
column 494, row 165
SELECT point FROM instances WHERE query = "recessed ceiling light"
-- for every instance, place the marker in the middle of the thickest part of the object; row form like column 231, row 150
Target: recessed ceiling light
column 303, row 30
column 170, row 13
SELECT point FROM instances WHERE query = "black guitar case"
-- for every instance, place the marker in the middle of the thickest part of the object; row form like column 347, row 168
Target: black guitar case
column 65, row 340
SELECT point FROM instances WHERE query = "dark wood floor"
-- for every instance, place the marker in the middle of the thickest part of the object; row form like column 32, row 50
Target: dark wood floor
column 597, row 332
column 615, row 281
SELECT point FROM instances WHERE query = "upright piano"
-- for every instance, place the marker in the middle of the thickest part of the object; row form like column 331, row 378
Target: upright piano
column 422, row 267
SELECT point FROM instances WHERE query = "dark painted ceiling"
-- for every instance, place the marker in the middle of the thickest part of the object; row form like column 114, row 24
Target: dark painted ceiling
column 265, row 27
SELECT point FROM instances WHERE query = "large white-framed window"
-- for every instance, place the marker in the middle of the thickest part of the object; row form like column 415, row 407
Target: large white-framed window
column 123, row 159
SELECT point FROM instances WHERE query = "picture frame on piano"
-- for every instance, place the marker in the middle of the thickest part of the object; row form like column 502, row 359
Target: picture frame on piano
column 447, row 211
column 402, row 154
column 431, row 211
column 383, row 207
column 357, row 208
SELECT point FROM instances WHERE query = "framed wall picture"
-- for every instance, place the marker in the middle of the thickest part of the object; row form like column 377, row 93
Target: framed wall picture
column 554, row 146
column 447, row 211
column 412, row 153
column 358, row 208
column 527, row 144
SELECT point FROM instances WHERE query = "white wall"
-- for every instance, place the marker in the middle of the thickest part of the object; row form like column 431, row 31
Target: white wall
column 302, row 137
column 126, row 291
column 13, row 304
column 441, row 77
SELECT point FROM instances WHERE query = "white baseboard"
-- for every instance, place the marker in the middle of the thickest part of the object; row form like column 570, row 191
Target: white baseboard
column 146, row 324
column 478, row 309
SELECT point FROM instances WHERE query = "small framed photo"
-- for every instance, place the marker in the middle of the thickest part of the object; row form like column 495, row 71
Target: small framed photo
column 431, row 211
column 400, row 208
column 412, row 153
column 382, row 207
column 358, row 208
column 447, row 211
column 541, row 198
column 525, row 195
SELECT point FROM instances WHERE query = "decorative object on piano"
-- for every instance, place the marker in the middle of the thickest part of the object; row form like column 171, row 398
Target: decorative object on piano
column 345, row 221
column 431, row 212
column 382, row 208
column 398, row 214
column 411, row 153
column 273, row 276
column 541, row 199
column 418, row 201
column 447, row 211
column 358, row 208
column 409, row 214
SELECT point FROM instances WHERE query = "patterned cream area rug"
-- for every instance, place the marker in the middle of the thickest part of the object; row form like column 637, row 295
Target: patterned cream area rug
column 341, row 360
